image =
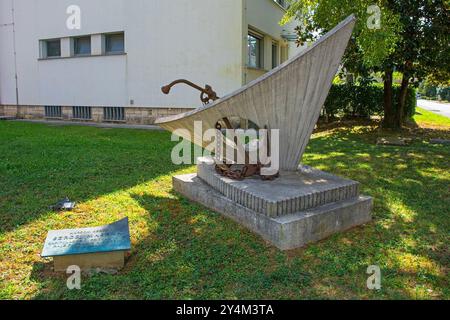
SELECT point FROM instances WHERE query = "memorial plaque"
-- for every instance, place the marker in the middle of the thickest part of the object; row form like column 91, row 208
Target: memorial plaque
column 109, row 238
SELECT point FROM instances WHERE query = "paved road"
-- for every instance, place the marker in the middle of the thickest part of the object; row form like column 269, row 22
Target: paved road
column 440, row 108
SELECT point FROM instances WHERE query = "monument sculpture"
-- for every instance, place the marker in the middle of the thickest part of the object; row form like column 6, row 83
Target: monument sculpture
column 293, row 205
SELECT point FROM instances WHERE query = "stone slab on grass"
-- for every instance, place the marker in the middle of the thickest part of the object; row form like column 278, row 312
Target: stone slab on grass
column 440, row 141
column 394, row 141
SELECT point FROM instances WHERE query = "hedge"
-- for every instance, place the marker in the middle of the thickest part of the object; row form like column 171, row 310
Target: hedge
column 445, row 93
column 433, row 92
column 350, row 100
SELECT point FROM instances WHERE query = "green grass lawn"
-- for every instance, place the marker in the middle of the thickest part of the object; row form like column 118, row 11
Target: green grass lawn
column 183, row 251
column 430, row 119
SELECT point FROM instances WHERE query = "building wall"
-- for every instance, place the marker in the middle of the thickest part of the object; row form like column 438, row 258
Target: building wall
column 133, row 115
column 7, row 69
column 164, row 40
column 204, row 41
column 264, row 16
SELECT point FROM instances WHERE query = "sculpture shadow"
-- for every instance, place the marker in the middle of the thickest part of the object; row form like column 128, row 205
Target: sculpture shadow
column 42, row 164
column 191, row 252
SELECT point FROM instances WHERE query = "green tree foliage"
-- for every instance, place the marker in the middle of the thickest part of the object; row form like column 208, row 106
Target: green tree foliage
column 434, row 91
column 412, row 38
column 370, row 47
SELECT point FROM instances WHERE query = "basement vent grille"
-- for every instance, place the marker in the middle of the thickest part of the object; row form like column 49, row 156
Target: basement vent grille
column 53, row 112
column 114, row 114
column 82, row 113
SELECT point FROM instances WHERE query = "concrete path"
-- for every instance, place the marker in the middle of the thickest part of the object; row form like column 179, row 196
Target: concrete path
column 440, row 108
column 92, row 124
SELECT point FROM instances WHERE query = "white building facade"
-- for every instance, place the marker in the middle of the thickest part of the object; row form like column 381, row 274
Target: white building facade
column 106, row 60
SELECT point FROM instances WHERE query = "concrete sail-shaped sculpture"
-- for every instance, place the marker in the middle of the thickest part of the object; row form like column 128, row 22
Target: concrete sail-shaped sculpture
column 300, row 205
column 288, row 98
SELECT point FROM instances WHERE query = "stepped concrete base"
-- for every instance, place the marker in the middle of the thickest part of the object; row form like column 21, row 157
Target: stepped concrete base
column 294, row 191
column 287, row 231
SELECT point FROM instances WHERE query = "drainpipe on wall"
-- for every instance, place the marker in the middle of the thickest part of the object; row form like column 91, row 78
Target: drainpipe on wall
column 244, row 44
column 15, row 54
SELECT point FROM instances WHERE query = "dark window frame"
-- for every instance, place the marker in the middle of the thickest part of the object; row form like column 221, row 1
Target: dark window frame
column 108, row 47
column 282, row 3
column 82, row 113
column 260, row 54
column 76, row 46
column 53, row 112
column 47, row 46
column 114, row 114
column 275, row 54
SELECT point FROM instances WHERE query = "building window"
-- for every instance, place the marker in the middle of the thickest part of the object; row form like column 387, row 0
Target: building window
column 53, row 112
column 82, row 113
column 115, row 43
column 255, row 51
column 281, row 3
column 82, row 46
column 274, row 55
column 52, row 48
column 114, row 114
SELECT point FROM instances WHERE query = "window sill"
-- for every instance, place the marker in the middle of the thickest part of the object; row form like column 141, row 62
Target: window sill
column 114, row 121
column 84, row 56
column 114, row 53
column 80, row 119
column 256, row 69
column 81, row 55
column 50, row 58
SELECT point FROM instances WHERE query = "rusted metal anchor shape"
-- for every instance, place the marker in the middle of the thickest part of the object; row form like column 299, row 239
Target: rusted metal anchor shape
column 207, row 93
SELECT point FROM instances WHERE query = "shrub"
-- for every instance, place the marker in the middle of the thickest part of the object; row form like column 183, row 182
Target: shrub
column 351, row 100
column 445, row 93
column 431, row 91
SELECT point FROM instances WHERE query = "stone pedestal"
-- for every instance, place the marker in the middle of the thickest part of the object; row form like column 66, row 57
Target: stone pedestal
column 104, row 260
column 296, row 209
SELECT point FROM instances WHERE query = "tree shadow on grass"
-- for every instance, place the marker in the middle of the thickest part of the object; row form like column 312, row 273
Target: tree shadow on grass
column 410, row 190
column 193, row 253
column 40, row 165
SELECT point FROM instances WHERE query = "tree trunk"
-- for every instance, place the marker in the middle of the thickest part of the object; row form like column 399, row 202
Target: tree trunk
column 389, row 115
column 401, row 117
